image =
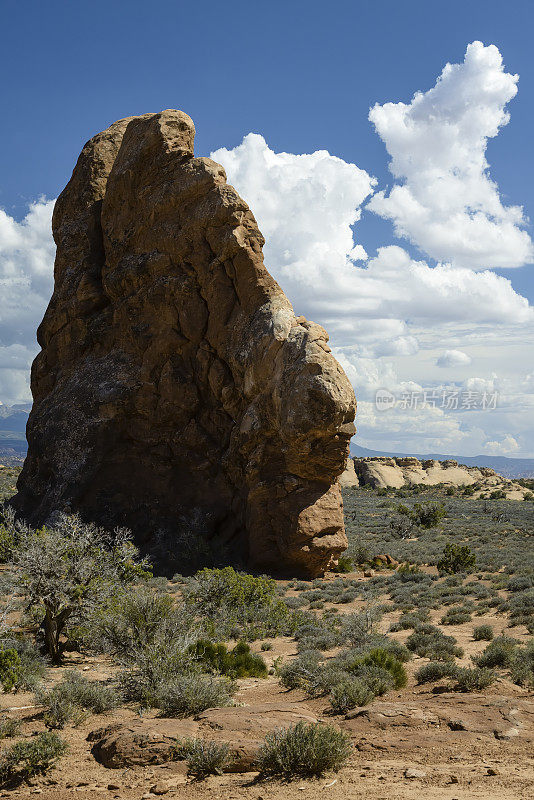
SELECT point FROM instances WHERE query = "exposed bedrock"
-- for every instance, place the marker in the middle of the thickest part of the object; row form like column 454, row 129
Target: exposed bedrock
column 176, row 391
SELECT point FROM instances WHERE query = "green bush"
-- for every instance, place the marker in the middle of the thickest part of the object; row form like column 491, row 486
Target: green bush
column 236, row 663
column 435, row 671
column 499, row 653
column 428, row 515
column 303, row 750
column 232, row 604
column 9, row 668
column 21, row 666
column 190, row 694
column 73, row 697
column 350, row 693
column 483, row 633
column 203, row 757
column 344, row 564
column 25, row 759
column 382, row 658
column 456, row 558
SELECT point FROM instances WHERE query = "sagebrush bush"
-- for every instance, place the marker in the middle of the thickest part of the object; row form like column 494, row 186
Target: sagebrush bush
column 187, row 695
column 73, row 697
column 301, row 673
column 435, row 671
column 304, row 750
column 483, row 633
column 456, row 616
column 9, row 727
column 522, row 665
column 498, row 653
column 350, row 693
column 27, row 758
column 429, row 641
column 473, row 679
column 204, row 757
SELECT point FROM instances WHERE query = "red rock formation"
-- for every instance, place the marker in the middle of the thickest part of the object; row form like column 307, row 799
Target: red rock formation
column 176, row 391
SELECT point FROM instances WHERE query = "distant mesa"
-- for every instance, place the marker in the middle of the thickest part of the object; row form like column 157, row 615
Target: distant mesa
column 176, row 392
column 381, row 472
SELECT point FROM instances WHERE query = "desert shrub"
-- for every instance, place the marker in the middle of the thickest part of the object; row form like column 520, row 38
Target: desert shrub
column 483, row 633
column 349, row 693
column 498, row 653
column 9, row 727
column 187, row 695
column 203, row 757
column 435, row 671
column 317, row 634
column 456, row 616
column 357, row 628
column 473, row 679
column 9, row 531
column 69, row 570
column 132, row 620
column 23, row 668
column 344, row 564
column 410, row 621
column 301, row 673
column 74, row 696
column 303, row 750
column 36, row 756
column 456, row 558
column 9, row 667
column 428, row 515
column 522, row 665
column 434, row 644
column 384, row 660
column 450, row 491
column 236, row 663
column 232, row 604
column 266, row 646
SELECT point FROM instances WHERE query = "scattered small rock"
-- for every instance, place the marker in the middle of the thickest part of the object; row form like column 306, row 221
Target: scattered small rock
column 492, row 771
column 159, row 788
column 414, row 773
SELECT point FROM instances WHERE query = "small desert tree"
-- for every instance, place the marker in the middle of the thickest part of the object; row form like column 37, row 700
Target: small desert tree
column 71, row 569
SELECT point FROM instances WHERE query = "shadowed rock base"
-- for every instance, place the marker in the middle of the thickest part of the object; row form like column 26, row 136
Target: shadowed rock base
column 176, row 392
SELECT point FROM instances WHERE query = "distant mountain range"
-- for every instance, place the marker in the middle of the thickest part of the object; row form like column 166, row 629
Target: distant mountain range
column 13, row 445
column 508, row 467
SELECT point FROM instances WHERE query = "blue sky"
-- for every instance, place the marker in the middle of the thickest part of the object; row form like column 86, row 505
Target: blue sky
column 303, row 75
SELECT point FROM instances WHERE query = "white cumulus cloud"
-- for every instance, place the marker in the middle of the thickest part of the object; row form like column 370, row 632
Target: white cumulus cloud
column 453, row 358
column 445, row 201
column 26, row 278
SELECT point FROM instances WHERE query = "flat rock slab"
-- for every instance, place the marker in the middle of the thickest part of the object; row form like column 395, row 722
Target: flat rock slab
column 498, row 717
column 153, row 741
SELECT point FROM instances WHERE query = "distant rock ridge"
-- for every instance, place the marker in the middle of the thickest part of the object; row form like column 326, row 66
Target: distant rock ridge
column 176, row 392
column 395, row 472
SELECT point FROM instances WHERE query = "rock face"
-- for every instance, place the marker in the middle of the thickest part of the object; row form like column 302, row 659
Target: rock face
column 176, row 391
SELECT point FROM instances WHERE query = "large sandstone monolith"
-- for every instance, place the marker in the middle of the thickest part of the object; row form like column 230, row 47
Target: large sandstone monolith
column 176, row 391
